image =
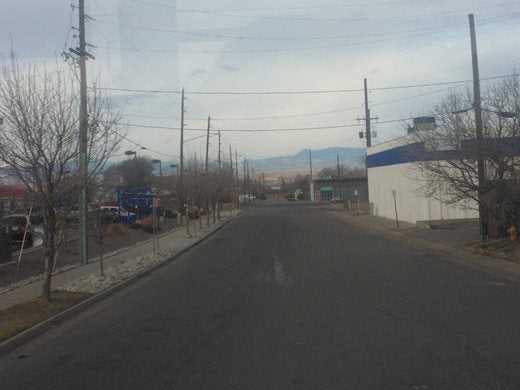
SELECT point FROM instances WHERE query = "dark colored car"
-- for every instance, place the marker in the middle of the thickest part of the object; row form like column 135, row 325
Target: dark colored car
column 36, row 217
column 19, row 224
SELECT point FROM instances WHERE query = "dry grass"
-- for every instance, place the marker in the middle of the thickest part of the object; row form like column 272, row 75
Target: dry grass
column 20, row 317
column 502, row 248
column 114, row 228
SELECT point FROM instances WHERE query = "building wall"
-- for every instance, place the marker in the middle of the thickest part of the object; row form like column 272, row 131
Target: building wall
column 390, row 174
column 341, row 188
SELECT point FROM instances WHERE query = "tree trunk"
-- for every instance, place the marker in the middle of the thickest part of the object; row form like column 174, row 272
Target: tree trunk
column 47, row 276
column 48, row 251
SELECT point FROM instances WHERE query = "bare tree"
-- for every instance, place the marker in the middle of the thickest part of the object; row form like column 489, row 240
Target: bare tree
column 39, row 139
column 446, row 166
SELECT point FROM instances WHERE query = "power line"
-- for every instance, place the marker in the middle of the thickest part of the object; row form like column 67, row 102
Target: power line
column 287, row 116
column 309, row 92
column 420, row 33
column 319, row 20
column 262, row 130
column 144, row 147
column 374, row 3
column 144, row 57
column 224, row 12
column 299, row 115
column 250, row 118
column 281, row 38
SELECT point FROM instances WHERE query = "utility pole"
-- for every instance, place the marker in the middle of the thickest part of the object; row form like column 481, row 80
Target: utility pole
column 312, row 181
column 244, row 184
column 231, row 161
column 219, row 174
column 181, row 163
column 238, row 185
column 231, row 166
column 368, row 133
column 219, row 154
column 248, row 184
column 83, row 130
column 207, row 148
column 253, row 184
column 483, row 210
column 337, row 163
column 206, row 168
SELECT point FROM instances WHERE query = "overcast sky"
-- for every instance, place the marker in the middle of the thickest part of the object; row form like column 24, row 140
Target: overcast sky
column 266, row 46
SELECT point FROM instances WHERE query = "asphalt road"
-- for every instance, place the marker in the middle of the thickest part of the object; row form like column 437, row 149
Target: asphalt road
column 287, row 297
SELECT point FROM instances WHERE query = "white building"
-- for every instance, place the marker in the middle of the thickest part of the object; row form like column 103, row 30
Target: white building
column 391, row 174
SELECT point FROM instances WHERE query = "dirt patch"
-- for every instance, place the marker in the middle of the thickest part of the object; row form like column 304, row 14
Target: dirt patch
column 20, row 317
column 116, row 237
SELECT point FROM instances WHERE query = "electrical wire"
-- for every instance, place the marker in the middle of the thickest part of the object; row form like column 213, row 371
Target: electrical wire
column 69, row 29
column 284, row 8
column 137, row 144
column 144, row 57
column 224, row 12
column 172, row 76
column 309, row 92
column 263, row 130
column 279, row 38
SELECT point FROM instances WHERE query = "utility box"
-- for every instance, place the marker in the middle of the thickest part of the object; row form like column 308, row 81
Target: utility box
column 6, row 245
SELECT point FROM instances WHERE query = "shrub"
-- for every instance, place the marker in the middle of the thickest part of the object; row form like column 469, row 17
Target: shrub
column 114, row 228
column 147, row 225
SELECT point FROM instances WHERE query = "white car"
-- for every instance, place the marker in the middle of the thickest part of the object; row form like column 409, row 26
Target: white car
column 119, row 211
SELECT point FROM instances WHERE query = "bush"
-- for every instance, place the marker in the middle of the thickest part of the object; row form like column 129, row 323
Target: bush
column 170, row 213
column 147, row 225
column 114, row 228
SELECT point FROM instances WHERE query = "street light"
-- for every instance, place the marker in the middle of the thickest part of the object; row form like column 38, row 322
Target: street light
column 134, row 152
column 155, row 161
column 130, row 153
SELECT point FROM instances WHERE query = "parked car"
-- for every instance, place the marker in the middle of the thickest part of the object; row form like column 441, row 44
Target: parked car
column 74, row 213
column 19, row 224
column 120, row 214
column 36, row 216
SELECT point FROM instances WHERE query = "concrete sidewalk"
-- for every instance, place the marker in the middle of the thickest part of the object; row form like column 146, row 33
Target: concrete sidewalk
column 172, row 243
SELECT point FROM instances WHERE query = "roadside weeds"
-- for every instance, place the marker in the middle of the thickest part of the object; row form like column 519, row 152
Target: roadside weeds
column 23, row 316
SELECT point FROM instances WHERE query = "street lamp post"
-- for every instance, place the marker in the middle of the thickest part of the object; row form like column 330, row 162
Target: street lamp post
column 131, row 153
column 155, row 161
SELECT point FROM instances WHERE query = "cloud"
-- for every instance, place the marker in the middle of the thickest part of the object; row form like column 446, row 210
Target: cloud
column 230, row 68
column 198, row 73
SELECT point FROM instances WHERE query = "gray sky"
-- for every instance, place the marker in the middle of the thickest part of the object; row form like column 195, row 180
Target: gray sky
column 268, row 46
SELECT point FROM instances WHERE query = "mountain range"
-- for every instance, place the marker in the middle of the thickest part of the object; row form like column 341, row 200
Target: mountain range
column 321, row 158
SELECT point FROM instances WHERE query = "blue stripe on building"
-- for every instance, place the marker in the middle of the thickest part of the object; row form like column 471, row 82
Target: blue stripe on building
column 507, row 146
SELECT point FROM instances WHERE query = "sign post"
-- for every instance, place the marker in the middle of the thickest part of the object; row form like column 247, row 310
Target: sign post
column 394, row 194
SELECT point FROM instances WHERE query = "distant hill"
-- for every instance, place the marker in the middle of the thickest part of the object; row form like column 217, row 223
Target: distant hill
column 321, row 158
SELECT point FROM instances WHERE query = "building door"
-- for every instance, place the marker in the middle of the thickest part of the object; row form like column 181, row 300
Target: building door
column 326, row 193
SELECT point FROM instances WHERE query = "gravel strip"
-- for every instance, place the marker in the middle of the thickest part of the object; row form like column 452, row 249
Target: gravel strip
column 114, row 274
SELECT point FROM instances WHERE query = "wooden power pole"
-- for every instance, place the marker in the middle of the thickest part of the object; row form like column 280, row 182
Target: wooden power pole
column 83, row 141
column 483, row 209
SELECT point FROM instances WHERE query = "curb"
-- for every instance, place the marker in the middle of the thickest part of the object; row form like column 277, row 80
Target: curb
column 496, row 267
column 36, row 330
